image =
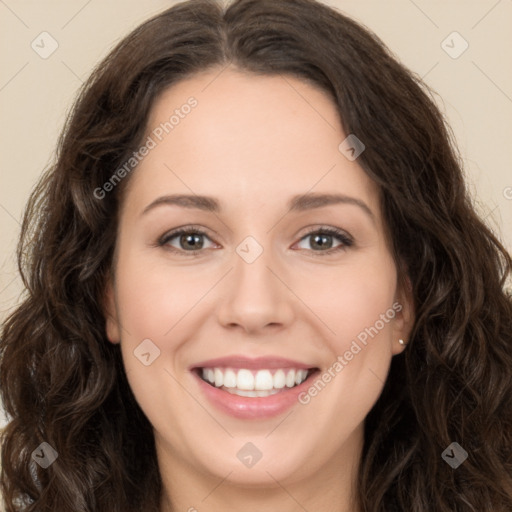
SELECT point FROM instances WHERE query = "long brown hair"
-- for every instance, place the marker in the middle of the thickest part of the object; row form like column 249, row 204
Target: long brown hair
column 62, row 383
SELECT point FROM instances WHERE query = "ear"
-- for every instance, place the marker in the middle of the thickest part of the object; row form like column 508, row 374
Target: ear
column 404, row 316
column 110, row 311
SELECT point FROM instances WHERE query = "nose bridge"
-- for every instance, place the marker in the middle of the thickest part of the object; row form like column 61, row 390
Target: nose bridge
column 252, row 277
column 255, row 297
column 253, row 262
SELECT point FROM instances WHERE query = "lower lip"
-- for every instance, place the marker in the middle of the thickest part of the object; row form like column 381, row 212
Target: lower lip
column 247, row 408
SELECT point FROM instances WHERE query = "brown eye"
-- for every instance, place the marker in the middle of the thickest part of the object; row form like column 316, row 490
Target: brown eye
column 184, row 240
column 321, row 240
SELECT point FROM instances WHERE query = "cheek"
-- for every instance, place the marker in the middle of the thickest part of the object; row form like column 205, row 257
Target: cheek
column 153, row 297
column 359, row 310
column 152, row 304
column 355, row 299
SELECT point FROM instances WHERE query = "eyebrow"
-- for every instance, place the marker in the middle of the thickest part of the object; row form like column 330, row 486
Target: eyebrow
column 299, row 203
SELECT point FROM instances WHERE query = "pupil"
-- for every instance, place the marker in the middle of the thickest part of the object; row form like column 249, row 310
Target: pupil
column 192, row 239
column 322, row 239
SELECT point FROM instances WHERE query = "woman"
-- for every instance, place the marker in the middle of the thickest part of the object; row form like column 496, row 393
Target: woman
column 337, row 337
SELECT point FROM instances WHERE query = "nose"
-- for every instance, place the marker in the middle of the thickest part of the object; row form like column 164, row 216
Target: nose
column 256, row 296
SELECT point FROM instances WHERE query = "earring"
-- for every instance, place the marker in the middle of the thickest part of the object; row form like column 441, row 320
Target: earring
column 402, row 342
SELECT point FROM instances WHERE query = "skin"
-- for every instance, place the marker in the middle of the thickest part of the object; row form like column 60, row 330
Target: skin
column 253, row 142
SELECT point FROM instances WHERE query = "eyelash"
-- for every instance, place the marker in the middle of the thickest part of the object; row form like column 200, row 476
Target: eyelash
column 191, row 230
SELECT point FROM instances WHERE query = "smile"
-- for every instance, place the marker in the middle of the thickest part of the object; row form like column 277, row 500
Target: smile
column 252, row 388
column 254, row 383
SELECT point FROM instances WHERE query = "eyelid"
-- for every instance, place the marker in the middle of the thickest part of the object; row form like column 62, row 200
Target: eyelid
column 328, row 229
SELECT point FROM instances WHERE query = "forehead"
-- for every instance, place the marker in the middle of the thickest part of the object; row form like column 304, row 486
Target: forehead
column 249, row 136
column 248, row 109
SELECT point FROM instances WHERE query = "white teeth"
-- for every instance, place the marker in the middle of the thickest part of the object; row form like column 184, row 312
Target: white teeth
column 229, row 379
column 245, row 380
column 290, row 379
column 261, row 382
column 219, row 378
column 279, row 379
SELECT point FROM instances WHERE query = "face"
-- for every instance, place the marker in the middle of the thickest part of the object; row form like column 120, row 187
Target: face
column 283, row 273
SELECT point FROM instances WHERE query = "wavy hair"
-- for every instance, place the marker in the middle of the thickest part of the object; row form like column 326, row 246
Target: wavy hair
column 62, row 383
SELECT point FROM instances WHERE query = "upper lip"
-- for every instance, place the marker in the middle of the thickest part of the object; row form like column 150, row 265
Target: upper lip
column 239, row 361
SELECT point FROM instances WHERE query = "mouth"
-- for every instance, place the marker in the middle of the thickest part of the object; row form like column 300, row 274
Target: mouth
column 254, row 383
column 252, row 388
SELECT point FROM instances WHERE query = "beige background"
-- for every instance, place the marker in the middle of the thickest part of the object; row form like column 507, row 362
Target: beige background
column 475, row 89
